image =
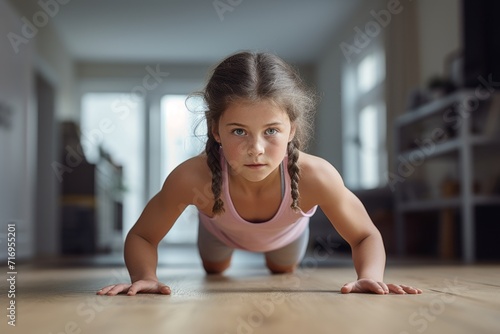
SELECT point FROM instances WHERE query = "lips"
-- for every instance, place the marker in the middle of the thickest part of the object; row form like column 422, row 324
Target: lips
column 255, row 165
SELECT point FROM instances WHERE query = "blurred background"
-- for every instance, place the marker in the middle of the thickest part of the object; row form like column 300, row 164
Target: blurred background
column 93, row 114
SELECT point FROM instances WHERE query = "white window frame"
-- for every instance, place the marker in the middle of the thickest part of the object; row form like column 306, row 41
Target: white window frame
column 175, row 149
column 354, row 100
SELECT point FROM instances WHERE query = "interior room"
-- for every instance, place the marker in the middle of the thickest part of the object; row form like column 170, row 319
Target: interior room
column 99, row 104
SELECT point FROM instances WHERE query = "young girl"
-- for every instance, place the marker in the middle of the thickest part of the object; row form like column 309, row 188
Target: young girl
column 260, row 188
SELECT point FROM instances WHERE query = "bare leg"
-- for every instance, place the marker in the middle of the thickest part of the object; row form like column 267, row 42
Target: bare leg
column 280, row 269
column 216, row 267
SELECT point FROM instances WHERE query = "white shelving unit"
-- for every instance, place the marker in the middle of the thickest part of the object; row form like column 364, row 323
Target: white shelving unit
column 459, row 112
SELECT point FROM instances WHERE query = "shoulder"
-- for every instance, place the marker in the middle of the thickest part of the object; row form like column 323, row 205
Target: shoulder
column 196, row 164
column 315, row 169
column 189, row 179
column 191, row 170
column 319, row 179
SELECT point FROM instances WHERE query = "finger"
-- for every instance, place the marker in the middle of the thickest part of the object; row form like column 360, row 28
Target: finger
column 347, row 288
column 148, row 287
column 163, row 289
column 411, row 290
column 372, row 286
column 105, row 290
column 134, row 288
column 139, row 286
column 368, row 285
column 384, row 287
column 118, row 289
column 397, row 289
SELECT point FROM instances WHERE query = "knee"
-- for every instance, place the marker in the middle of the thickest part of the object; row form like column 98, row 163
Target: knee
column 216, row 267
column 280, row 269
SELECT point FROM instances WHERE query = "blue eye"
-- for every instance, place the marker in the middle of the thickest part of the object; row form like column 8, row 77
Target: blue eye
column 239, row 132
column 271, row 131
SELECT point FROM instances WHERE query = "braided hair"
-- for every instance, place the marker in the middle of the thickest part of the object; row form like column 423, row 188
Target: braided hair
column 255, row 77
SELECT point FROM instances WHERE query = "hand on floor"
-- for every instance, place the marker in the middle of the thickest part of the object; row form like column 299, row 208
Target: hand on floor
column 141, row 286
column 370, row 286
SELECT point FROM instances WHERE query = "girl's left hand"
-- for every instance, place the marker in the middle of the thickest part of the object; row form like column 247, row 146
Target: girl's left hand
column 366, row 285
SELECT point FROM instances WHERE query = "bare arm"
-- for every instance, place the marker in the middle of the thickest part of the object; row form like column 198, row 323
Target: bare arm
column 367, row 247
column 349, row 217
column 141, row 243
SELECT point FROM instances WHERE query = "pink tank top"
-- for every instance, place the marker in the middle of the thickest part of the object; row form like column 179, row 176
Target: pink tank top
column 279, row 231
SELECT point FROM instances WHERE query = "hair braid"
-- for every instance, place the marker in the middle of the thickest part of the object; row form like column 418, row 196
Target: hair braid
column 212, row 150
column 294, row 171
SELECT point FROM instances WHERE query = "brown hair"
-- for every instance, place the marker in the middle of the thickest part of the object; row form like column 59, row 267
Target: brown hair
column 255, row 77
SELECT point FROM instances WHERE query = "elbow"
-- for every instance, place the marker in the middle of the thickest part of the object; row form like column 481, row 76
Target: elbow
column 133, row 236
column 373, row 235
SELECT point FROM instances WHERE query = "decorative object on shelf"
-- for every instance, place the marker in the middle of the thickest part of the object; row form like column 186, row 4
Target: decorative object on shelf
column 454, row 67
column 416, row 98
column 450, row 187
column 447, row 234
column 439, row 87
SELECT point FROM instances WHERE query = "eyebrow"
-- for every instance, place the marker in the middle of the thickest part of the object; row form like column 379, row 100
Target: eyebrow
column 244, row 126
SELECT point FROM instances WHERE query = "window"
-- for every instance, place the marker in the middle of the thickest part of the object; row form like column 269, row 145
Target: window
column 114, row 122
column 182, row 137
column 364, row 121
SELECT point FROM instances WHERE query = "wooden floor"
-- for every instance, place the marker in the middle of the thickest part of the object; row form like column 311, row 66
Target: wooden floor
column 247, row 299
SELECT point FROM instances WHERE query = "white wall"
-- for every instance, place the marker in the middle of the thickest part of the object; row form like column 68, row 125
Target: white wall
column 20, row 168
column 439, row 29
column 328, row 127
column 56, row 62
column 328, row 142
column 17, row 140
column 52, row 58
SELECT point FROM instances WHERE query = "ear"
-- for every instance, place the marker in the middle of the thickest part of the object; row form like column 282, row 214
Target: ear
column 215, row 132
column 292, row 132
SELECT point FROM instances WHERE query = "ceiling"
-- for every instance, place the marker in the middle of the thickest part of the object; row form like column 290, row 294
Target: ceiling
column 195, row 31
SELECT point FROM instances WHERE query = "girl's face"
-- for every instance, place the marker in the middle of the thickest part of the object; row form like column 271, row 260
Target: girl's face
column 254, row 137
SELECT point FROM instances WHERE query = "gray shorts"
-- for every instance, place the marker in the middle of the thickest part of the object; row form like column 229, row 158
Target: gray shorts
column 212, row 249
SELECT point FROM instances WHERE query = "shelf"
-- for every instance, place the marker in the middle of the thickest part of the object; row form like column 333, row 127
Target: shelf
column 439, row 149
column 427, row 205
column 431, row 108
column 450, row 146
column 443, row 203
column 479, row 140
column 463, row 152
column 487, row 200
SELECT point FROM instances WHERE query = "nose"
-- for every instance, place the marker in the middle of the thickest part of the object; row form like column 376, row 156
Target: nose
column 255, row 147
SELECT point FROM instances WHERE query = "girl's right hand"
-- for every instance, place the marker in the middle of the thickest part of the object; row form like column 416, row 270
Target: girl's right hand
column 141, row 286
